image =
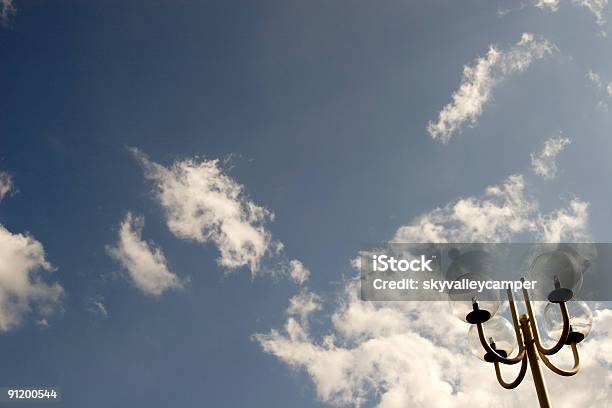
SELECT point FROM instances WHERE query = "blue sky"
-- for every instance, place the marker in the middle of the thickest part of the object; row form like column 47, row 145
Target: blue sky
column 319, row 109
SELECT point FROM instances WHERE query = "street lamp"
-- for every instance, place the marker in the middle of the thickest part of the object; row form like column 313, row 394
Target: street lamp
column 493, row 338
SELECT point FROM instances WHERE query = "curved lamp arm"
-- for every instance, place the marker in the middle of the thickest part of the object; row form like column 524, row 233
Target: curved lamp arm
column 515, row 321
column 565, row 373
column 517, row 380
column 534, row 326
column 519, row 338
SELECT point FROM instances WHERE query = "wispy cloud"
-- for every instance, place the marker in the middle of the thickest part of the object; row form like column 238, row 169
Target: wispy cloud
column 594, row 78
column 597, row 7
column 479, row 80
column 298, row 272
column 7, row 10
column 303, row 305
column 544, row 163
column 552, row 5
column 203, row 204
column 501, row 213
column 98, row 308
column 604, row 90
column 145, row 262
column 6, row 184
column 22, row 285
column 568, row 224
column 44, row 323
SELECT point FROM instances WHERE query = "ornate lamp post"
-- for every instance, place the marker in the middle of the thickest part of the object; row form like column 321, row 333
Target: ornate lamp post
column 492, row 338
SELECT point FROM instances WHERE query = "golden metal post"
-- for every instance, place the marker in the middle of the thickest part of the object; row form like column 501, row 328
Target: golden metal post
column 530, row 349
column 532, row 355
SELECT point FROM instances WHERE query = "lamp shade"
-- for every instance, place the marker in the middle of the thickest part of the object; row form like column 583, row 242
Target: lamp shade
column 581, row 320
column 558, row 276
column 500, row 336
column 471, row 266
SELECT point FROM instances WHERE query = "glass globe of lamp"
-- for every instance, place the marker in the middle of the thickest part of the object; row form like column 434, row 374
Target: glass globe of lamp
column 558, row 276
column 581, row 321
column 471, row 266
column 500, row 335
column 472, row 306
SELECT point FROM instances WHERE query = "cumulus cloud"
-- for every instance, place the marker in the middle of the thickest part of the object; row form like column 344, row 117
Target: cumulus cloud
column 544, row 163
column 6, row 184
column 203, row 204
column 479, row 80
column 373, row 353
column 500, row 214
column 377, row 351
column 7, row 10
column 145, row 262
column 298, row 272
column 380, row 349
column 22, row 282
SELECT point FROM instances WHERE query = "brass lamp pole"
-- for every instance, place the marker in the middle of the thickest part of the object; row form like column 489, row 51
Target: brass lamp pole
column 530, row 349
column 562, row 273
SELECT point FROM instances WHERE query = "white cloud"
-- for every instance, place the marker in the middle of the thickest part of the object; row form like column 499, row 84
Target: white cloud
column 6, row 184
column 399, row 354
column 145, row 262
column 597, row 7
column 595, row 78
column 381, row 350
column 44, row 323
column 566, row 224
column 298, row 272
column 7, row 10
column 503, row 212
column 481, row 78
column 604, row 90
column 415, row 354
column 98, row 308
column 544, row 163
column 22, row 287
column 203, row 204
column 303, row 305
column 552, row 5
